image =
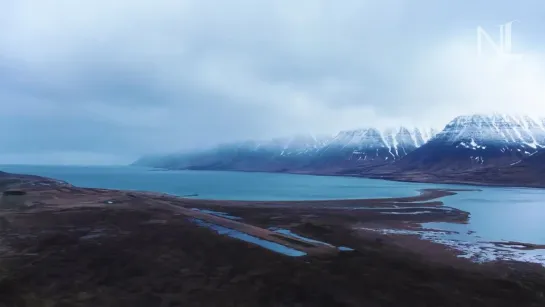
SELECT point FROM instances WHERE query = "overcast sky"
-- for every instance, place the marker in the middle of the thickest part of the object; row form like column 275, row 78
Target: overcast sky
column 102, row 82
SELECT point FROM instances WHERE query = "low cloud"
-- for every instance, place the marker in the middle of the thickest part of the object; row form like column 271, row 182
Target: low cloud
column 108, row 81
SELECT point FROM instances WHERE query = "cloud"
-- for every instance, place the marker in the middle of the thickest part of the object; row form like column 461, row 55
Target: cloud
column 454, row 79
column 102, row 79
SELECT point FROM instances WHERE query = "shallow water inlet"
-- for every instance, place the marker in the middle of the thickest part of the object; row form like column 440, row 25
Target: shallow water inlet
column 292, row 234
column 309, row 240
column 275, row 247
column 218, row 213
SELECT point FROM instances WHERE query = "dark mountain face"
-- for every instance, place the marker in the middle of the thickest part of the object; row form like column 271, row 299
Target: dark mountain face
column 529, row 171
column 473, row 142
column 496, row 148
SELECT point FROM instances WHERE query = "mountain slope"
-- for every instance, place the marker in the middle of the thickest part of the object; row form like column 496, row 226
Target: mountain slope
column 305, row 153
column 494, row 149
column 476, row 141
column 269, row 155
column 530, row 171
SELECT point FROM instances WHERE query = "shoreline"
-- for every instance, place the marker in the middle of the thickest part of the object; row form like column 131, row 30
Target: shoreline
column 46, row 194
column 102, row 247
column 422, row 208
column 405, row 212
column 390, row 177
column 444, row 181
column 424, row 196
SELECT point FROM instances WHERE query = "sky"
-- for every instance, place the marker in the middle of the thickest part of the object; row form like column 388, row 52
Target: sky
column 104, row 82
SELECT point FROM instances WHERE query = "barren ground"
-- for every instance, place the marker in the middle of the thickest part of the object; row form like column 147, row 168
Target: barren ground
column 93, row 247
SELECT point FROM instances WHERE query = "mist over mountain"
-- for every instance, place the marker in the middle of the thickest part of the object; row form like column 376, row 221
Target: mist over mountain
column 303, row 152
column 467, row 143
column 102, row 82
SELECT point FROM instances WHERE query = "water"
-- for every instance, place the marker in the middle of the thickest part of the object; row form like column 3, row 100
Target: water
column 222, row 185
column 279, row 248
column 512, row 214
column 217, row 213
column 470, row 247
column 292, row 234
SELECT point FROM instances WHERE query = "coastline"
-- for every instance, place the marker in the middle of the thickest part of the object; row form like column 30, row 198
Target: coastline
column 421, row 178
column 113, row 247
column 477, row 251
column 411, row 210
column 417, row 178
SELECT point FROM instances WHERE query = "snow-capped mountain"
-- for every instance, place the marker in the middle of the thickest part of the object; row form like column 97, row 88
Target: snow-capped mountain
column 247, row 155
column 479, row 140
column 347, row 148
column 374, row 144
column 495, row 149
column 296, row 145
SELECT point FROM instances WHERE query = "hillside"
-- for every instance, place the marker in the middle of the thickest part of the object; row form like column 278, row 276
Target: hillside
column 482, row 149
column 478, row 141
column 346, row 149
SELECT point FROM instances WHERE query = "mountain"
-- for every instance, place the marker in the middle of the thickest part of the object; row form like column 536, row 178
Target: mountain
column 377, row 145
column 526, row 172
column 477, row 141
column 302, row 153
column 489, row 149
column 270, row 155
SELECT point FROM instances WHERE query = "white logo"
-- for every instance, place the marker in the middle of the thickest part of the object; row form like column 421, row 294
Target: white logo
column 505, row 45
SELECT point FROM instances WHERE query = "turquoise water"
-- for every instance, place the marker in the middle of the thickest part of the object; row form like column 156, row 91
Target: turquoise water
column 222, row 185
column 515, row 214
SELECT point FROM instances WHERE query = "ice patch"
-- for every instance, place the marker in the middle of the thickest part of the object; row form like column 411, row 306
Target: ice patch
column 472, row 249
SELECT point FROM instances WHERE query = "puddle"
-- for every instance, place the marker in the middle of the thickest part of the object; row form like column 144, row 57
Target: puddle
column 416, row 212
column 112, row 201
column 396, row 208
column 154, row 222
column 91, row 236
column 275, row 247
column 218, row 213
column 292, row 234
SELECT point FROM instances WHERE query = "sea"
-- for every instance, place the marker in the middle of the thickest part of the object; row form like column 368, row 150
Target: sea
column 496, row 213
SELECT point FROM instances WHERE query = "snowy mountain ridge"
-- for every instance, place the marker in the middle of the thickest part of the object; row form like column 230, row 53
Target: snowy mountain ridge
column 396, row 141
column 466, row 142
column 473, row 141
column 495, row 128
column 389, row 143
